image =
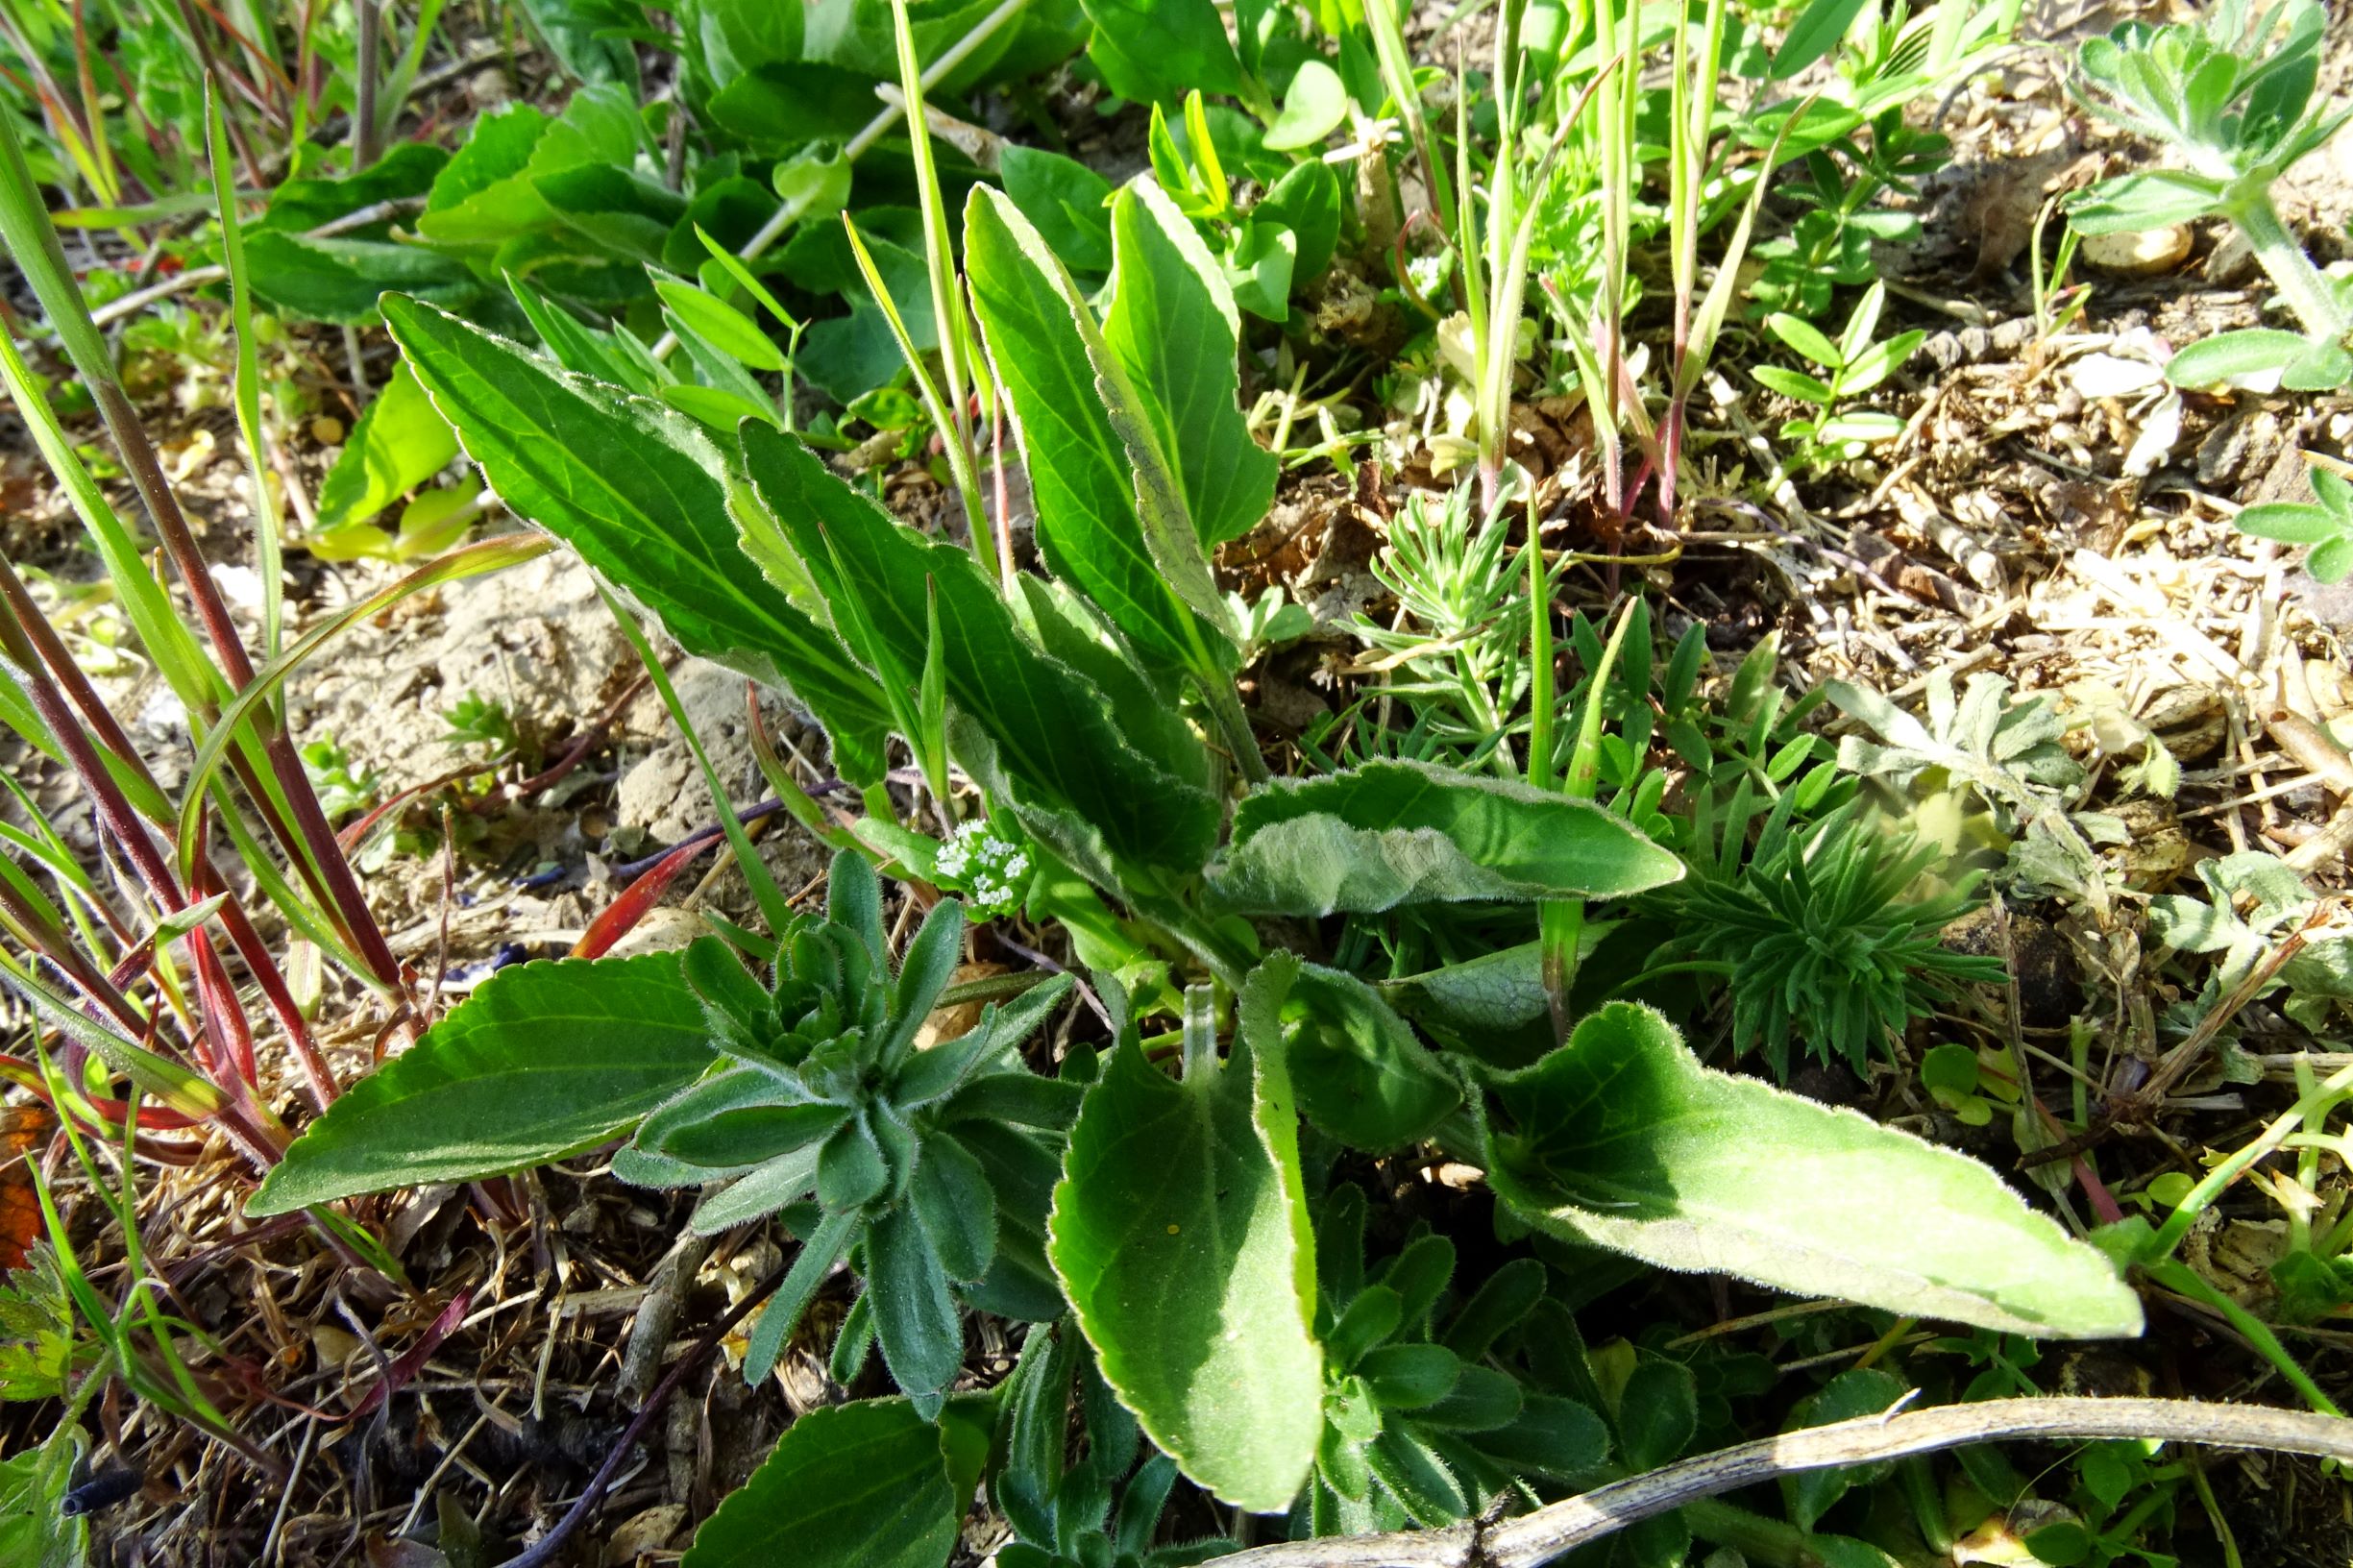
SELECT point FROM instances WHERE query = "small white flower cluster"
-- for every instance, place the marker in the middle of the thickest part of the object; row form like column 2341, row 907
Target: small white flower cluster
column 993, row 873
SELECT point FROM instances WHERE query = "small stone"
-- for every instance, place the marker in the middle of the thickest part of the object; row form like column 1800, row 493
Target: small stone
column 2142, row 255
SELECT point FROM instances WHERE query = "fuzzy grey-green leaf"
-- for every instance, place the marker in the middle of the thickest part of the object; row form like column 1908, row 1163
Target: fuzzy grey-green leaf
column 1180, row 1234
column 1621, row 1139
column 1393, row 833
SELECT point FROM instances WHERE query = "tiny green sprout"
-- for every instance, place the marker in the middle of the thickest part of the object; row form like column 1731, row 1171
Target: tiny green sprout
column 1850, row 366
column 1948, row 1072
column 474, row 719
column 2234, row 97
column 924, row 1163
column 1270, row 622
column 342, row 789
column 2327, row 527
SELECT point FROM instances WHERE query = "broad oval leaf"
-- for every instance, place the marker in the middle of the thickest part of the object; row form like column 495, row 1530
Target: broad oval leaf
column 1393, row 833
column 544, row 1059
column 1621, row 1139
column 1151, row 51
column 1357, row 1071
column 1180, row 1234
column 1312, row 107
column 860, row 1485
column 642, row 496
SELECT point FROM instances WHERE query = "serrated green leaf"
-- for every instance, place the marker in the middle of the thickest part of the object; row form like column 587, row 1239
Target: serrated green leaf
column 1393, row 833
column 544, row 1059
column 1621, row 1139
column 641, row 496
column 1101, row 519
column 1173, row 327
column 1051, row 734
column 341, row 279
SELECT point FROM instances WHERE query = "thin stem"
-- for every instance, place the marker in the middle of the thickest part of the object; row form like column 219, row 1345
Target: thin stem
column 2306, row 289
column 546, row 1547
column 306, row 838
column 875, row 128
column 1562, row 1527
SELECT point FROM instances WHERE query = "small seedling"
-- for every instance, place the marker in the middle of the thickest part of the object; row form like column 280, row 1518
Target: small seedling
column 2234, row 97
column 474, row 719
column 1852, row 366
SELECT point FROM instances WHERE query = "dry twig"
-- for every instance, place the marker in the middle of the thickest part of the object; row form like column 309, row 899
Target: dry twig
column 1540, row 1537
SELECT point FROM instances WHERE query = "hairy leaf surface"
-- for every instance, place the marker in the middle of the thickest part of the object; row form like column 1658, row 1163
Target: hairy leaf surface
column 1050, row 729
column 1393, row 833
column 1621, row 1139
column 1173, row 328
column 1099, row 505
column 862, row 1486
column 1180, row 1234
column 545, row 1058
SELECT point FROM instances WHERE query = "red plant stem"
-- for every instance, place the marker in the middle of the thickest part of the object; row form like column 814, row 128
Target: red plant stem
column 124, row 823
column 259, row 961
column 53, row 945
column 310, row 842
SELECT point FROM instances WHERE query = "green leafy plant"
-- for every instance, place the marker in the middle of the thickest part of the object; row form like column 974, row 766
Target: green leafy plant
column 1420, row 1427
column 1092, row 708
column 1820, row 937
column 2233, row 96
column 2325, row 526
column 913, row 1158
column 1849, row 367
